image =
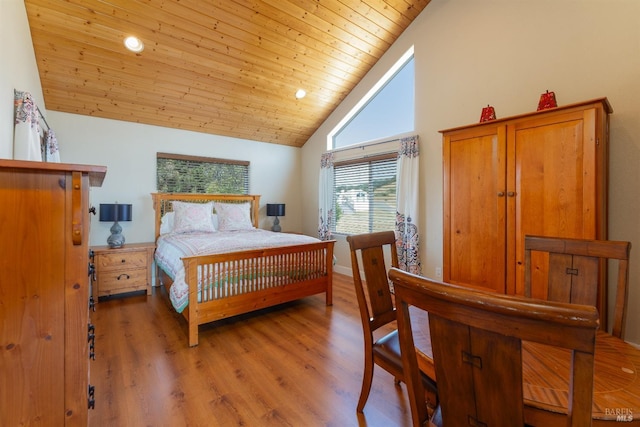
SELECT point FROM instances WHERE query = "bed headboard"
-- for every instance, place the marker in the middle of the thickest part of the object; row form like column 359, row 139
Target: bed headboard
column 163, row 202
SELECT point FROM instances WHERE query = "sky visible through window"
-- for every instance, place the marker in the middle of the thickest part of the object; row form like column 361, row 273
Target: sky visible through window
column 390, row 112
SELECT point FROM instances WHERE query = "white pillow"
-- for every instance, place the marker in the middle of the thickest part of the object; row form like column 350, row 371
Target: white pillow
column 193, row 217
column 234, row 216
column 166, row 223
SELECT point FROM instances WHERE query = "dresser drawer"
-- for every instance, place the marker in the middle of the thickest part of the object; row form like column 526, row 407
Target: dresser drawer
column 120, row 281
column 122, row 260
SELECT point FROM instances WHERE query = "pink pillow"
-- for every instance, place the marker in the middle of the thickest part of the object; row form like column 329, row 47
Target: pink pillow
column 193, row 217
column 234, row 216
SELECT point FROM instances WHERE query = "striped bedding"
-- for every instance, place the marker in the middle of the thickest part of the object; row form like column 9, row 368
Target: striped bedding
column 172, row 247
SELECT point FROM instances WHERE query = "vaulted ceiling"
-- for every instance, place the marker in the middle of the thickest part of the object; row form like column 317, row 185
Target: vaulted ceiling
column 225, row 67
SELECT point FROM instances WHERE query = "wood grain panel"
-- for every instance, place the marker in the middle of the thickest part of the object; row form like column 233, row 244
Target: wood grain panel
column 218, row 66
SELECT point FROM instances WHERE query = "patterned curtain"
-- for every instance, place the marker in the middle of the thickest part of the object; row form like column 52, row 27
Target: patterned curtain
column 325, row 194
column 52, row 152
column 26, row 137
column 407, row 206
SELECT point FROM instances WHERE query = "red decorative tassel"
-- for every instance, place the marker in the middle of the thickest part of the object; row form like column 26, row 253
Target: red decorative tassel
column 547, row 100
column 488, row 113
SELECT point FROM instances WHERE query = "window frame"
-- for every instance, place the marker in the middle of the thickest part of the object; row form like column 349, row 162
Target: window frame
column 364, row 101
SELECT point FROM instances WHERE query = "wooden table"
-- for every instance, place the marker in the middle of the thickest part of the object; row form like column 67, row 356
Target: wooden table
column 616, row 395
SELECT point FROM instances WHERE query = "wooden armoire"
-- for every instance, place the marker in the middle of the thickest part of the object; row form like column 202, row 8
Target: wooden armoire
column 45, row 330
column 543, row 173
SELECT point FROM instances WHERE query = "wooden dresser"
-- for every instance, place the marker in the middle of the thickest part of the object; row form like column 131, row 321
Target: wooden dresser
column 542, row 173
column 45, row 330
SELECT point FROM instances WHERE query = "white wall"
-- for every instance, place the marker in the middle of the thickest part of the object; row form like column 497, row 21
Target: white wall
column 471, row 53
column 18, row 69
column 129, row 152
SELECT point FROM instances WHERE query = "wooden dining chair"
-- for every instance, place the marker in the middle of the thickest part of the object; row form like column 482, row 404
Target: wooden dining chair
column 377, row 309
column 477, row 350
column 569, row 270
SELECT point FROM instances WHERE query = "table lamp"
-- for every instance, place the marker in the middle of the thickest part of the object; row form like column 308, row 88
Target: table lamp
column 115, row 212
column 275, row 209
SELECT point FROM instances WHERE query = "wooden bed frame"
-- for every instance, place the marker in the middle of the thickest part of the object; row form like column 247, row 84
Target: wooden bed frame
column 319, row 255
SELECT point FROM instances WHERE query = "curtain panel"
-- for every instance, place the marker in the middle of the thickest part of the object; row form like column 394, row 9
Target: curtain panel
column 52, row 152
column 326, row 196
column 26, row 137
column 407, row 191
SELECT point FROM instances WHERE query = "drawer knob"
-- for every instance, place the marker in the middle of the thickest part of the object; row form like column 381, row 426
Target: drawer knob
column 126, row 276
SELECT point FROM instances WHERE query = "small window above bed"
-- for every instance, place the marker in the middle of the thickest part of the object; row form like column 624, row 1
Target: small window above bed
column 177, row 173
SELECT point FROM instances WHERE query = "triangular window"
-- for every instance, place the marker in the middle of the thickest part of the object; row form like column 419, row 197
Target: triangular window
column 387, row 110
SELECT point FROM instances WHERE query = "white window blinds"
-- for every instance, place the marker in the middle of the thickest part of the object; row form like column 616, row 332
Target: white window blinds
column 365, row 194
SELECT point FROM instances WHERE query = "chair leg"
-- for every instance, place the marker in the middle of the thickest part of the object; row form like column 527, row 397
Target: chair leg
column 367, row 379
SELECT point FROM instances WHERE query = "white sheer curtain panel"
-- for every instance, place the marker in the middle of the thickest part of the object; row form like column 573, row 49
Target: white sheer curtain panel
column 407, row 191
column 26, row 137
column 325, row 195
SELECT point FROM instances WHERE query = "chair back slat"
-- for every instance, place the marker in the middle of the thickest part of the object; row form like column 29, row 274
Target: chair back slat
column 583, row 274
column 375, row 275
column 372, row 290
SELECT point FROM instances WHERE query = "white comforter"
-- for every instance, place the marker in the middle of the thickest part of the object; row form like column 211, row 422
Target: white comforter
column 172, row 247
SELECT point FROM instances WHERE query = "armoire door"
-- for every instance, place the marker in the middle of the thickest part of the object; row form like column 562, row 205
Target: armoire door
column 552, row 175
column 475, row 201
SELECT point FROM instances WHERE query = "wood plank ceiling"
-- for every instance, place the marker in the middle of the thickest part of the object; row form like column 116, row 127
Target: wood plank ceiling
column 225, row 67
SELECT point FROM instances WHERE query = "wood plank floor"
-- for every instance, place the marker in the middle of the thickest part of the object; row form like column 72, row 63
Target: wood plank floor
column 299, row 364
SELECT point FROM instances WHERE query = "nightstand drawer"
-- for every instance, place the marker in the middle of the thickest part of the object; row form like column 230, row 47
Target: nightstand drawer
column 122, row 260
column 120, row 281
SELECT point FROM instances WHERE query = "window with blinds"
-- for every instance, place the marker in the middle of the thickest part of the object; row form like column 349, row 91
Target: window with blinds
column 190, row 174
column 365, row 194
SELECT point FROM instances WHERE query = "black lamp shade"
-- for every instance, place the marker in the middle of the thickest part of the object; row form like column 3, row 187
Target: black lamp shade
column 115, row 212
column 275, row 209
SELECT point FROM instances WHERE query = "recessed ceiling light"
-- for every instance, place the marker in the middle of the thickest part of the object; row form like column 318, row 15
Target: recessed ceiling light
column 134, row 44
column 300, row 93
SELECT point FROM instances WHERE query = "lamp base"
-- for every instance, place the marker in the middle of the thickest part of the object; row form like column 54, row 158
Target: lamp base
column 116, row 240
column 276, row 225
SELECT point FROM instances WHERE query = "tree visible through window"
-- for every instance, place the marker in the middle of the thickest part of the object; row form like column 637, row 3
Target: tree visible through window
column 190, row 174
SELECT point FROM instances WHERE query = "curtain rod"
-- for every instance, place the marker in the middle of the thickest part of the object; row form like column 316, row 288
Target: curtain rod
column 42, row 117
column 374, row 142
column 363, row 146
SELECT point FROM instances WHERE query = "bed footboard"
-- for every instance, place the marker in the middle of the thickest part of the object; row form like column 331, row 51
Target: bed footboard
column 229, row 284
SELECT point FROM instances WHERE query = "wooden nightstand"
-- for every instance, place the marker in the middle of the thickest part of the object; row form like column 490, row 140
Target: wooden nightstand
column 121, row 270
